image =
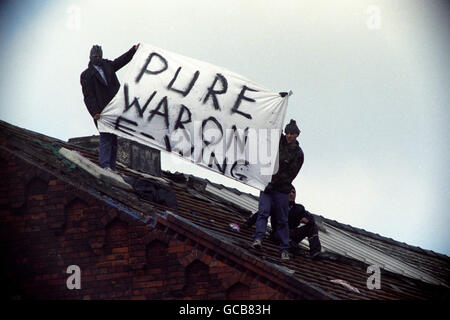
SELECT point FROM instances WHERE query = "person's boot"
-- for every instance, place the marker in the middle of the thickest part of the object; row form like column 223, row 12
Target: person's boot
column 318, row 255
column 244, row 225
column 295, row 249
column 249, row 222
column 315, row 247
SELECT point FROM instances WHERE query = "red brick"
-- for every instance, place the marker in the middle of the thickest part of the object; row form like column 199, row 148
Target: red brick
column 106, row 268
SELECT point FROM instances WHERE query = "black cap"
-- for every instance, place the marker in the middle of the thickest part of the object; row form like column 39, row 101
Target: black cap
column 291, row 127
column 96, row 50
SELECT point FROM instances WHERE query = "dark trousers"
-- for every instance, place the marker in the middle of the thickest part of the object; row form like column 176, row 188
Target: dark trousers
column 279, row 201
column 108, row 150
column 296, row 235
column 308, row 230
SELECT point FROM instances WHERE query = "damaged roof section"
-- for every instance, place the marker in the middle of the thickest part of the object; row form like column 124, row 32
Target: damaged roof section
column 213, row 211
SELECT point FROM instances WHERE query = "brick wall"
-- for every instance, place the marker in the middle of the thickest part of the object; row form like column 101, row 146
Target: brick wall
column 48, row 225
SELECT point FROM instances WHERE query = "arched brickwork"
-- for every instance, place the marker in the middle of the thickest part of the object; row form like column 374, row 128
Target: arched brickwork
column 238, row 291
column 36, row 186
column 156, row 253
column 116, row 235
column 76, row 220
column 196, row 279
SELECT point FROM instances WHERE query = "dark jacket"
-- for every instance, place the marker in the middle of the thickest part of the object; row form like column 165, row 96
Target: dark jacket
column 290, row 161
column 296, row 213
column 97, row 94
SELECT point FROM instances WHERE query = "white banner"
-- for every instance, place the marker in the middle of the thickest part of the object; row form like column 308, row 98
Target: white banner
column 201, row 112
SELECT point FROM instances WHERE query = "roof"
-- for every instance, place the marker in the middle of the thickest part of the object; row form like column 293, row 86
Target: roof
column 364, row 246
column 359, row 244
column 209, row 211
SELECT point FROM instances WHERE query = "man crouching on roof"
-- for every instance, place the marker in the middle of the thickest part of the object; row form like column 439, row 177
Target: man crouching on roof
column 276, row 194
column 297, row 215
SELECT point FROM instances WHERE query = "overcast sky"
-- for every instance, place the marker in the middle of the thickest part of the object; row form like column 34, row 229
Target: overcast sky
column 370, row 82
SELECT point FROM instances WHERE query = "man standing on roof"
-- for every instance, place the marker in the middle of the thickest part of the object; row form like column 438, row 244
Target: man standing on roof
column 99, row 84
column 276, row 194
column 297, row 215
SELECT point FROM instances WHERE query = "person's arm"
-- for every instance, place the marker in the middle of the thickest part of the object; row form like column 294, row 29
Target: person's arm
column 277, row 177
column 298, row 163
column 89, row 97
column 304, row 220
column 308, row 217
column 290, row 172
column 125, row 58
column 295, row 215
column 295, row 166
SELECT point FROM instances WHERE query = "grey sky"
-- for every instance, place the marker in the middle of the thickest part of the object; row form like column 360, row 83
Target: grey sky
column 370, row 82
